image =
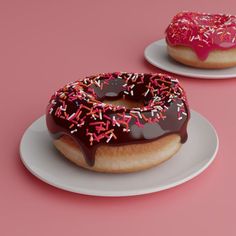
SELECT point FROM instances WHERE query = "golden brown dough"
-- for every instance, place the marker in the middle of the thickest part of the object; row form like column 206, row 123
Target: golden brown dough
column 217, row 59
column 121, row 159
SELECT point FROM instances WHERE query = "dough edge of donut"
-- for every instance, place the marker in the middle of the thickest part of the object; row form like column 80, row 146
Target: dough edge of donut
column 122, row 159
column 217, row 59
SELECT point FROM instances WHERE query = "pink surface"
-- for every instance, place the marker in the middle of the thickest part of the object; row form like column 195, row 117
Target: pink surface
column 45, row 44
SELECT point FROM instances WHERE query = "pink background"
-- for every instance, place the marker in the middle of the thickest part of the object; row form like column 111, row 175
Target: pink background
column 45, row 44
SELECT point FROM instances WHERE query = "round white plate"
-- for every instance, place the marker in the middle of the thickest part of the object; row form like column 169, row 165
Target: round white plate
column 156, row 54
column 42, row 160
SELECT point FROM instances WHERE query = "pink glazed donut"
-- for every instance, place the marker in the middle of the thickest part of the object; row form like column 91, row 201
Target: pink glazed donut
column 202, row 40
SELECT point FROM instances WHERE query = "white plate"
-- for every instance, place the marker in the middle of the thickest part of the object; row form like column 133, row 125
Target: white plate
column 42, row 160
column 156, row 54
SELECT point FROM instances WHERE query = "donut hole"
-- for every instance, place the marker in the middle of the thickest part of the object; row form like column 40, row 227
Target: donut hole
column 125, row 102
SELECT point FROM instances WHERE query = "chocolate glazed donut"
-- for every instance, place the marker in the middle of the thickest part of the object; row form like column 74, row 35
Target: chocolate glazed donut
column 82, row 116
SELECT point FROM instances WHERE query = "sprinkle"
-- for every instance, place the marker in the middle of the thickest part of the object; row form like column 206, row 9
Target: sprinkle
column 108, row 140
column 71, row 116
column 96, row 123
column 100, row 114
column 191, row 39
column 152, row 112
column 156, row 98
column 97, row 83
column 107, row 117
column 78, row 115
column 63, row 108
column 73, row 131
column 71, row 126
column 53, row 102
column 180, row 104
column 146, row 93
column 107, row 124
column 159, row 108
column 94, row 117
column 136, row 112
column 79, row 125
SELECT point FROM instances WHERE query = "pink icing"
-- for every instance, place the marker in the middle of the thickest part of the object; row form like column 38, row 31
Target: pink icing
column 202, row 32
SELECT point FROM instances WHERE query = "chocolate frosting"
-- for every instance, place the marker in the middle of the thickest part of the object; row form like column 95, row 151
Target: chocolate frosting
column 77, row 110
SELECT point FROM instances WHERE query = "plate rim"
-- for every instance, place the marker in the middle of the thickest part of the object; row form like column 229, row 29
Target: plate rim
column 191, row 74
column 118, row 193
